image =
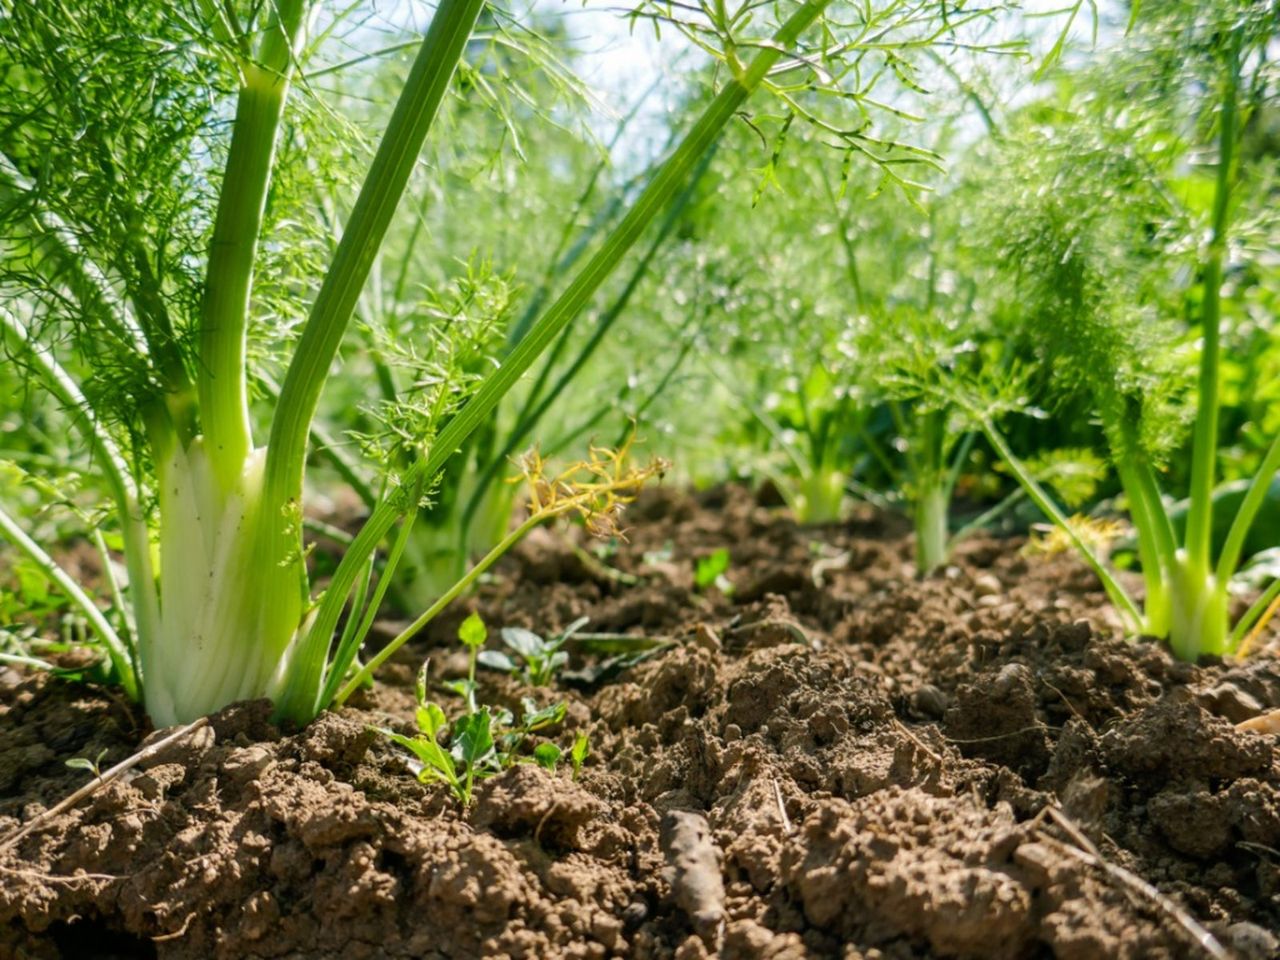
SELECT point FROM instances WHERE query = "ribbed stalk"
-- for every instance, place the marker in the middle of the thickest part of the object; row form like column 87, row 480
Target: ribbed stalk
column 1198, row 595
column 933, row 495
column 1158, row 566
column 655, row 197
column 376, row 204
column 1204, row 451
column 379, row 196
column 224, row 313
column 932, row 531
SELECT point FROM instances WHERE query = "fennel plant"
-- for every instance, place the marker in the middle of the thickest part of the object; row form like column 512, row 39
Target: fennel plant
column 1102, row 215
column 136, row 179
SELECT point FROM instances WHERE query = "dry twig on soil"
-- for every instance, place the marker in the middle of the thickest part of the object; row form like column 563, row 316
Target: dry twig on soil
column 1082, row 849
column 97, row 783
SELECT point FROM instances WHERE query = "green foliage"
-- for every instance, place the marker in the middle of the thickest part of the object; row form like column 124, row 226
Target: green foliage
column 93, row 766
column 578, row 753
column 1116, row 240
column 536, row 660
column 473, row 632
column 482, row 741
column 1092, row 241
column 710, row 571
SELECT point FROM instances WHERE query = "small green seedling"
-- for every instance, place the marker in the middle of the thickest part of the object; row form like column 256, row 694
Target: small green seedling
column 547, row 755
column 473, row 634
column 710, row 571
column 536, row 659
column 483, row 741
column 578, row 754
column 94, row 766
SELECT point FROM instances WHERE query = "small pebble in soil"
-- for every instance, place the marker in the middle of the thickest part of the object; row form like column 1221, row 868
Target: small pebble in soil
column 1250, row 941
column 986, row 585
column 634, row 914
column 1228, row 700
column 929, row 701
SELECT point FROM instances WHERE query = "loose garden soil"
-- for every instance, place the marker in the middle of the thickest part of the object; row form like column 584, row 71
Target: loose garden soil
column 836, row 760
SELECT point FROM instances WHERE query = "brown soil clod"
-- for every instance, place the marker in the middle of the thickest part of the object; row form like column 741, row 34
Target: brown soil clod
column 694, row 870
column 100, row 781
column 876, row 753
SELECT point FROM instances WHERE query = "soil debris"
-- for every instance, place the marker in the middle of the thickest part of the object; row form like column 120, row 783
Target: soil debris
column 850, row 766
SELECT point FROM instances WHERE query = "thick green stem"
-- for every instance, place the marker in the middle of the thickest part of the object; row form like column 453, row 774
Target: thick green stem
column 414, row 113
column 932, row 540
column 1198, row 612
column 224, row 313
column 228, row 610
column 332, row 449
column 659, row 192
column 819, row 497
column 1163, row 535
column 383, row 187
column 932, row 496
column 1204, row 449
column 1157, row 567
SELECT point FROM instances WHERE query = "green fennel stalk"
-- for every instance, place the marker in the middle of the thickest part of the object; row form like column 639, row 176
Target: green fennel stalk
column 298, row 699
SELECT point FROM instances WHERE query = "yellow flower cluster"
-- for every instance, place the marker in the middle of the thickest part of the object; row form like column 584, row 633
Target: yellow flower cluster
column 597, row 488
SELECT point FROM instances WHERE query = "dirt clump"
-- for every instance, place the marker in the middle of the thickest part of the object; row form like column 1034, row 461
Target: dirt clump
column 850, row 762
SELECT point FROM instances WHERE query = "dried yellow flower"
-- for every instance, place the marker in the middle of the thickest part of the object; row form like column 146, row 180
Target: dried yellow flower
column 597, row 488
column 1097, row 534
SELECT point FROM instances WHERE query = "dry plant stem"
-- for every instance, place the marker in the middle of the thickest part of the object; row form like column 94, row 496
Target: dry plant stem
column 601, row 569
column 97, row 783
column 932, row 755
column 1243, row 650
column 787, row 827
column 1082, row 849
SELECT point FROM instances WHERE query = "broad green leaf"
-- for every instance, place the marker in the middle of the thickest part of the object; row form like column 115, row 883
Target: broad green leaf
column 436, row 760
column 496, row 660
column 431, row 719
column 711, row 567
column 536, row 719
column 524, row 642
column 473, row 739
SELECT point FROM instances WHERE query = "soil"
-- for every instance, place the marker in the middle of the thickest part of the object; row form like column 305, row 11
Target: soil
column 838, row 759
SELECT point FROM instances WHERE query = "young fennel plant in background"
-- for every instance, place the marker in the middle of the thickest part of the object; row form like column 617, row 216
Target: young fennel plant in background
column 1083, row 263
